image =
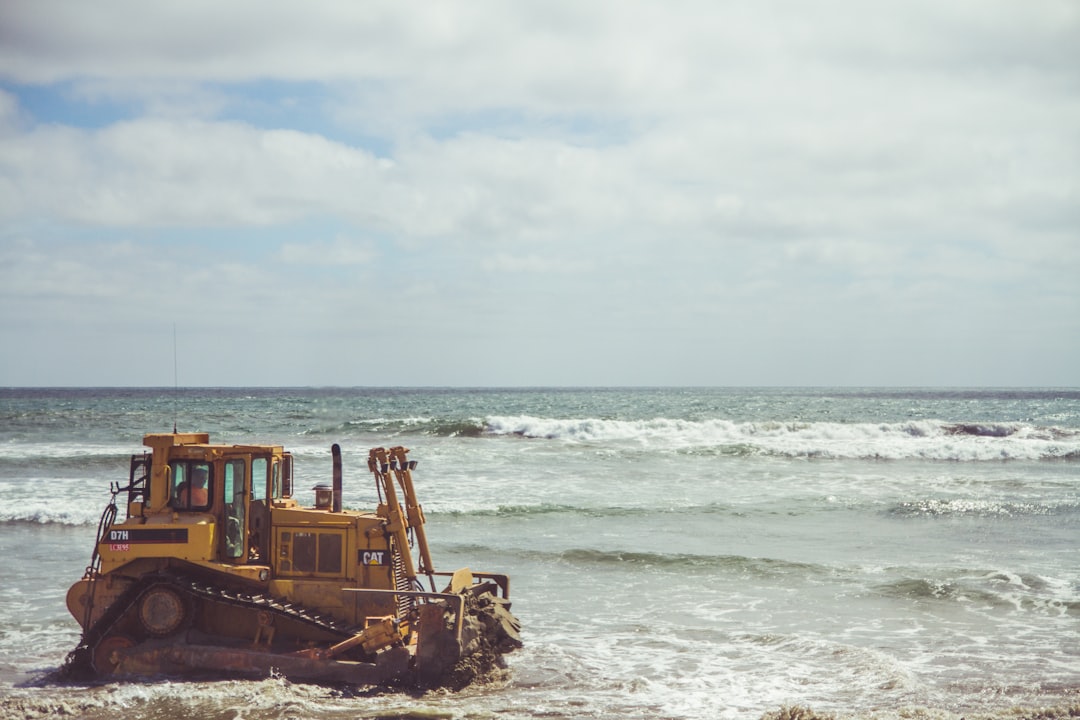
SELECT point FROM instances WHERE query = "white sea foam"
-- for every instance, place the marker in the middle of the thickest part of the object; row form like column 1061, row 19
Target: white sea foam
column 16, row 451
column 41, row 513
column 924, row 439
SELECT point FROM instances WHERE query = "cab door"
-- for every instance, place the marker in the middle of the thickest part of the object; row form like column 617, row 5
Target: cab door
column 259, row 510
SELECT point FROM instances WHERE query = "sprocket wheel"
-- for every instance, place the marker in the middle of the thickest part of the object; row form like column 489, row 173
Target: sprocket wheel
column 161, row 610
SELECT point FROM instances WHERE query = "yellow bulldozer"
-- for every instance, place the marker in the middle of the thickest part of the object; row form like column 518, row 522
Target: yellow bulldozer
column 219, row 570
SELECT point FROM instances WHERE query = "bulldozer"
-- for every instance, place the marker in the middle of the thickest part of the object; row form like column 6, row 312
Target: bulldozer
column 218, row 569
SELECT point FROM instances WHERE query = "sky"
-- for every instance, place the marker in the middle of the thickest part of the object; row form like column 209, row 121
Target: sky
column 540, row 193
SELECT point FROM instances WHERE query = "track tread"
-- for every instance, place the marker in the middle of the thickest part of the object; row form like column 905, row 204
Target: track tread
column 79, row 662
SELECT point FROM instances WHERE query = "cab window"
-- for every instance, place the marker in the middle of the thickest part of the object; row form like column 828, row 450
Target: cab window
column 258, row 479
column 275, row 481
column 286, row 476
column 190, row 483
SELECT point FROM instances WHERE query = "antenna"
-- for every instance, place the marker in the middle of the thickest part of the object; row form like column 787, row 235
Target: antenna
column 176, row 380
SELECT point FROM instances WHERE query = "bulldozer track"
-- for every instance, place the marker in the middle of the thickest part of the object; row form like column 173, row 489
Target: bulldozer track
column 282, row 608
column 79, row 662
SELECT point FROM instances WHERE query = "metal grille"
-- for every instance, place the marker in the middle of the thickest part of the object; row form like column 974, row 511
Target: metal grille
column 405, row 603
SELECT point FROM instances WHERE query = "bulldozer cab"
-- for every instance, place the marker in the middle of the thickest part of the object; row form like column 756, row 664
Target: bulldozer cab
column 233, row 487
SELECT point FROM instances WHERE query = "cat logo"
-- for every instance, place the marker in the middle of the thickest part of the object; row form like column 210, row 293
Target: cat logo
column 373, row 557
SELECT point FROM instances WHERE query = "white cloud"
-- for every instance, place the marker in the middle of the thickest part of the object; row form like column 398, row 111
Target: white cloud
column 509, row 172
column 536, row 263
column 158, row 173
column 339, row 252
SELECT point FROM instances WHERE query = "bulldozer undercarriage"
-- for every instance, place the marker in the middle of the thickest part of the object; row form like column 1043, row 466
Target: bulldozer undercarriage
column 160, row 626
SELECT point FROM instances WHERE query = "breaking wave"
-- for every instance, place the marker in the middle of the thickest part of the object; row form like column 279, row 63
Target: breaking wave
column 45, row 515
column 984, row 508
column 391, row 427
column 739, row 564
column 995, row 589
column 616, row 511
column 923, row 439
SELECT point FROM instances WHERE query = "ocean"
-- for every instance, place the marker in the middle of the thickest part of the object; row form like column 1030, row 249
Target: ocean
column 674, row 552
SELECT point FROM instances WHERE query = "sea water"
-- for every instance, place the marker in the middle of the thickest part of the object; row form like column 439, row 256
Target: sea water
column 674, row 552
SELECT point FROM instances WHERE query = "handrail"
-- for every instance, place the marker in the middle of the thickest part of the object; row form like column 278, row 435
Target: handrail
column 502, row 580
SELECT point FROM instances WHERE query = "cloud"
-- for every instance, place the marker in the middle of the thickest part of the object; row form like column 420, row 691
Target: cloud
column 700, row 174
column 534, row 263
column 341, row 251
column 159, row 172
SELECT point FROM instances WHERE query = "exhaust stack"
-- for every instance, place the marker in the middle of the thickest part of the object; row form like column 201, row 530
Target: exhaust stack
column 335, row 450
